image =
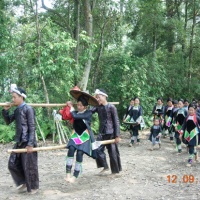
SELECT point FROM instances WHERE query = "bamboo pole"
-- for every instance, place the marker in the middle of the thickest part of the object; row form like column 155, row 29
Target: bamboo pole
column 47, row 105
column 59, row 136
column 64, row 131
column 61, row 132
column 40, row 130
column 52, row 147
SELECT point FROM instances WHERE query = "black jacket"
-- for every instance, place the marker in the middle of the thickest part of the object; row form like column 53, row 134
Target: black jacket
column 108, row 118
column 24, row 118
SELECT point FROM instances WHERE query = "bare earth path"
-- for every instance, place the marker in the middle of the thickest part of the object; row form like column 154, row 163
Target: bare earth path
column 144, row 175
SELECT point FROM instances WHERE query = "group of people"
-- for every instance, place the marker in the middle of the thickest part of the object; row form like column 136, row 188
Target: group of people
column 179, row 119
column 24, row 167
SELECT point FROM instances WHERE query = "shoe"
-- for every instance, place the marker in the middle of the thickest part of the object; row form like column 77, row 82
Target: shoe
column 189, row 163
column 159, row 146
column 180, row 151
column 33, row 191
column 130, row 145
column 22, row 188
column 104, row 170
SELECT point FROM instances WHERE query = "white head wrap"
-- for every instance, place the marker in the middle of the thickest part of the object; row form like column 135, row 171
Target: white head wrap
column 97, row 91
column 13, row 88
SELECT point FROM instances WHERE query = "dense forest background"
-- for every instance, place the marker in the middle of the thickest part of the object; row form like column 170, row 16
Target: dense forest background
column 145, row 48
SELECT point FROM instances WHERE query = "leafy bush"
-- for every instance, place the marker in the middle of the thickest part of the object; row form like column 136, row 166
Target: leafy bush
column 7, row 133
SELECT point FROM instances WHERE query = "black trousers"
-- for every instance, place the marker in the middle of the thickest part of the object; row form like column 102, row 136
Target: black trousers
column 191, row 149
column 113, row 152
column 135, row 130
column 79, row 154
column 24, row 168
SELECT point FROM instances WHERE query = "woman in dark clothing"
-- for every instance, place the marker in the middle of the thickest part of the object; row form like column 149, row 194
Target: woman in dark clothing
column 82, row 136
column 126, row 117
column 168, row 118
column 136, row 117
column 179, row 119
column 158, row 111
column 190, row 132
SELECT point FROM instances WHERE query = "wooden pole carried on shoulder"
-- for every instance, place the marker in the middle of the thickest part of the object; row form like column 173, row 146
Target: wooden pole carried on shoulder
column 47, row 105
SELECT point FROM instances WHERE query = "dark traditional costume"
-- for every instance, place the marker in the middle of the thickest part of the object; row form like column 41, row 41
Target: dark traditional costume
column 168, row 121
column 172, row 127
column 155, row 134
column 158, row 113
column 191, row 134
column 109, row 128
column 24, row 166
column 82, row 136
column 135, row 118
column 127, row 116
column 179, row 119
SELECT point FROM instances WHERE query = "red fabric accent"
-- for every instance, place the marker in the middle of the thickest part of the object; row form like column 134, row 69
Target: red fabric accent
column 188, row 138
column 66, row 115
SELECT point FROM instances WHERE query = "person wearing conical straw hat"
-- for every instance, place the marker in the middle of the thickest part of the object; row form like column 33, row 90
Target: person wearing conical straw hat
column 23, row 167
column 82, row 136
column 109, row 129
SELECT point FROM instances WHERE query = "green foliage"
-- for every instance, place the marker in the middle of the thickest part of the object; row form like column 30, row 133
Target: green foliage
column 95, row 124
column 140, row 48
column 7, row 133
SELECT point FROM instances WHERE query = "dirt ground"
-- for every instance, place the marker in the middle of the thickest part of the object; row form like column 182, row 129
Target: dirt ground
column 146, row 175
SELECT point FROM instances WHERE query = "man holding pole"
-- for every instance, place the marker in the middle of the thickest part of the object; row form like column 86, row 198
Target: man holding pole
column 23, row 167
column 109, row 129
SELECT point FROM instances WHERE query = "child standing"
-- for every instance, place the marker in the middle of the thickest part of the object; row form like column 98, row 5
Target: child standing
column 190, row 132
column 155, row 134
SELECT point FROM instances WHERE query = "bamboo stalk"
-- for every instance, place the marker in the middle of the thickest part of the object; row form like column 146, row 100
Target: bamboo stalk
column 36, row 137
column 52, row 147
column 58, row 132
column 64, row 131
column 61, row 131
column 40, row 130
column 53, row 137
column 47, row 105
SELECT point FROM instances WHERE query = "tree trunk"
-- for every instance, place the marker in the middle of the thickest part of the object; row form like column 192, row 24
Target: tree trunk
column 76, row 34
column 184, row 37
column 191, row 46
column 170, row 26
column 38, row 58
column 88, row 27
